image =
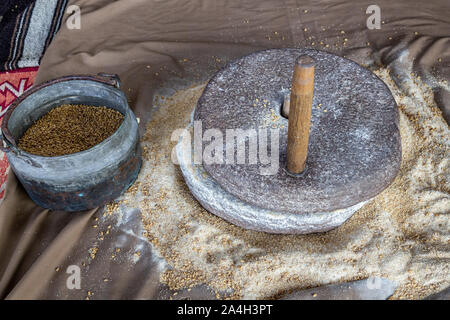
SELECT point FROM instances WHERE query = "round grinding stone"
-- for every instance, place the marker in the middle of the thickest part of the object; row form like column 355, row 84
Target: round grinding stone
column 354, row 143
column 223, row 204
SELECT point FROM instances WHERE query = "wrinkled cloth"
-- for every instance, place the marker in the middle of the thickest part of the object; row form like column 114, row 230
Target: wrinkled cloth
column 161, row 46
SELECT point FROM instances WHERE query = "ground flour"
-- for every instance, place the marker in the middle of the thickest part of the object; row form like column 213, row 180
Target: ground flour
column 402, row 234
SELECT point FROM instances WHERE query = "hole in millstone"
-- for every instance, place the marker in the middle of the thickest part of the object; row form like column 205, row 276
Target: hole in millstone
column 296, row 175
column 284, row 108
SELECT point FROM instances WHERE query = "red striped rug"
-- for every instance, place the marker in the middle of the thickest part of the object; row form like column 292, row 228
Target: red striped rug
column 12, row 84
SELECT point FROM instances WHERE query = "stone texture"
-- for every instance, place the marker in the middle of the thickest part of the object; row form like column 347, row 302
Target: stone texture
column 354, row 148
column 223, row 204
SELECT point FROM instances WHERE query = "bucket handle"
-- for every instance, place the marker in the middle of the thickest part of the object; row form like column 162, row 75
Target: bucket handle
column 112, row 78
column 4, row 146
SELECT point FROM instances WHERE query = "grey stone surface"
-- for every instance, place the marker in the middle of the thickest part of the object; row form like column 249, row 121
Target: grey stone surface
column 354, row 149
column 223, row 204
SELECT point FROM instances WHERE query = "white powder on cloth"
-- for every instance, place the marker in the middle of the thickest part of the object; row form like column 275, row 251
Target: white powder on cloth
column 402, row 234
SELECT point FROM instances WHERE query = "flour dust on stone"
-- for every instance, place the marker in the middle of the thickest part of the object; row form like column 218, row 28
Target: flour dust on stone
column 402, row 234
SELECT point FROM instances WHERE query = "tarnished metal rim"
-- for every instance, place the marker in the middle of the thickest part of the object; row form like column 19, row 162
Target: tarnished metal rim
column 112, row 80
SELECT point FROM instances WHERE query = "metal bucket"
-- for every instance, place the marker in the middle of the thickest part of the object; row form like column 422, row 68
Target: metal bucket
column 82, row 180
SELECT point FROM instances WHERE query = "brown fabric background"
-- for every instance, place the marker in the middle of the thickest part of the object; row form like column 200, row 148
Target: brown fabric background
column 125, row 37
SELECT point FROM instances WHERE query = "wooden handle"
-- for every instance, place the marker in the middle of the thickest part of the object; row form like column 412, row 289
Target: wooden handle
column 300, row 113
